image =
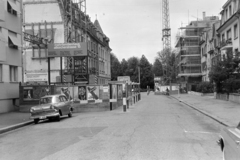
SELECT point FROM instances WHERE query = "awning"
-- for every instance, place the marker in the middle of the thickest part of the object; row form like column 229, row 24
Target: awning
column 227, row 47
column 14, row 6
column 14, row 40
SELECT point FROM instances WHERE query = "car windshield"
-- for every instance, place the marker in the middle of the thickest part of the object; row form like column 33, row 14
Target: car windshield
column 46, row 100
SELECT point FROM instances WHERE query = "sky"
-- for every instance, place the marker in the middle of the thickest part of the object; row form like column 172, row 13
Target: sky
column 134, row 27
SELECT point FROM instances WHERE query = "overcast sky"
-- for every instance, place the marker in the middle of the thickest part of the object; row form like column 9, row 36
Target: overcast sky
column 134, row 26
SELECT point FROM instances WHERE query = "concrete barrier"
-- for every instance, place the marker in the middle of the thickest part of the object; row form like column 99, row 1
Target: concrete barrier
column 234, row 97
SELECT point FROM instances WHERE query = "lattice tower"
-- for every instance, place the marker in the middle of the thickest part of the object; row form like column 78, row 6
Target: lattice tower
column 166, row 30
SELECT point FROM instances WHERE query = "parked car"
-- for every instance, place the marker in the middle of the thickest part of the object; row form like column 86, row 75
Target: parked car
column 230, row 143
column 51, row 106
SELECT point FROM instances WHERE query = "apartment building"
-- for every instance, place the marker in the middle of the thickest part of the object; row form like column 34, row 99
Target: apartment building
column 229, row 29
column 62, row 22
column 10, row 53
column 189, row 52
column 210, row 51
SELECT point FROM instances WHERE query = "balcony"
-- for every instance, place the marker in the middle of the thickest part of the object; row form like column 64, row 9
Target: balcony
column 226, row 44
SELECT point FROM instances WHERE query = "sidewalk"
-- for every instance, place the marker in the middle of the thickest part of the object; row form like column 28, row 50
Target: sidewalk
column 225, row 112
column 13, row 120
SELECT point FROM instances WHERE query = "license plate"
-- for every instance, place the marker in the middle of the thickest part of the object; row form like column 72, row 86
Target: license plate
column 42, row 117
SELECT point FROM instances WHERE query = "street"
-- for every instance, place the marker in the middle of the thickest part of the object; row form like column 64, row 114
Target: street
column 156, row 128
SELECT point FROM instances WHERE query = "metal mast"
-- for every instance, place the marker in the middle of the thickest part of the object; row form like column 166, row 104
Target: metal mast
column 166, row 30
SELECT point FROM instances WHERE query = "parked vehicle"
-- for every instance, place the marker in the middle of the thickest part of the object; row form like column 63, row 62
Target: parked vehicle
column 51, row 106
column 230, row 143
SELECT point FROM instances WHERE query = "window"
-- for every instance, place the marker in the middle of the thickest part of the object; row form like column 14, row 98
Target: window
column 13, row 73
column 1, row 74
column 226, row 14
column 223, row 37
column 12, row 40
column 229, row 35
column 230, row 11
column 235, row 31
column 11, row 10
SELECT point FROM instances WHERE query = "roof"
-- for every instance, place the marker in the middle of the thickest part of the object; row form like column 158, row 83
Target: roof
column 97, row 25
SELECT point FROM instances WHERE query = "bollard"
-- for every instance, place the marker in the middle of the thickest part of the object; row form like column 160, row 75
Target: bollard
column 124, row 98
column 110, row 85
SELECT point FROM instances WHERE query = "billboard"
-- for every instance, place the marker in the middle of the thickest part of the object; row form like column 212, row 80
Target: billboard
column 67, row 49
column 124, row 79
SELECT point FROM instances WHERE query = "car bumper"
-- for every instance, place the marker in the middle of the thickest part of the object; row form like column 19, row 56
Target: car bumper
column 45, row 116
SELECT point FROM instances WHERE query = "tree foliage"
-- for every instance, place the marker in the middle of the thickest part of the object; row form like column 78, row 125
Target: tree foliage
column 115, row 67
column 146, row 74
column 132, row 69
column 225, row 75
column 168, row 60
column 157, row 68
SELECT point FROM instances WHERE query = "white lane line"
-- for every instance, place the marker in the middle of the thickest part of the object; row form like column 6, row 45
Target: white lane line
column 200, row 132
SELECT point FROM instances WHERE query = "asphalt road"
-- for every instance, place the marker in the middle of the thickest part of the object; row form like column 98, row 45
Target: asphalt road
column 156, row 128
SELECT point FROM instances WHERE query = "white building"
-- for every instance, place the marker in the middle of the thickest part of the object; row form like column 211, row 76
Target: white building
column 10, row 53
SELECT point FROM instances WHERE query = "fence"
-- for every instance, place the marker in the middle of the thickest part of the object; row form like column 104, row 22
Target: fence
column 84, row 97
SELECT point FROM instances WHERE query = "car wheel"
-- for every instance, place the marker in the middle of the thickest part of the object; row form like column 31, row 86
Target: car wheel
column 36, row 121
column 58, row 118
column 70, row 113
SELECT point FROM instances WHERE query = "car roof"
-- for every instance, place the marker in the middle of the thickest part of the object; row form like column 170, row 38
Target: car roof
column 54, row 95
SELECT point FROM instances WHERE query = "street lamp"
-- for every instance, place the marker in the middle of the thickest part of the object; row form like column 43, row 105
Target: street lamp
column 139, row 75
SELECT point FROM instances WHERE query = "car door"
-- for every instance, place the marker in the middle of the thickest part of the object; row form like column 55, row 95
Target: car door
column 231, row 143
column 65, row 107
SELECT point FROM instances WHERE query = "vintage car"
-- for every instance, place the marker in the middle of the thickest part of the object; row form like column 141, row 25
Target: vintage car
column 51, row 106
column 230, row 143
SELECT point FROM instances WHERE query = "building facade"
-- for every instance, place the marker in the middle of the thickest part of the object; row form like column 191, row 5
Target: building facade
column 10, row 53
column 229, row 29
column 189, row 57
column 62, row 22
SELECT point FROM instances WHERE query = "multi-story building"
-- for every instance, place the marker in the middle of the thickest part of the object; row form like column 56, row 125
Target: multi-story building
column 63, row 22
column 229, row 29
column 210, row 53
column 10, row 53
column 189, row 52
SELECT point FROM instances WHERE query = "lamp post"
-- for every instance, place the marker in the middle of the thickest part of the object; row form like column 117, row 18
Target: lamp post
column 139, row 75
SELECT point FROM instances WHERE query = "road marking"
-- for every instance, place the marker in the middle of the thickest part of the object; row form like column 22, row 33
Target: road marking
column 200, row 132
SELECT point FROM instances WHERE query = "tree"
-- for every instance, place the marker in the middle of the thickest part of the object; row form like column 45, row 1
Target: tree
column 168, row 60
column 132, row 69
column 157, row 68
column 115, row 67
column 225, row 73
column 124, row 67
column 146, row 74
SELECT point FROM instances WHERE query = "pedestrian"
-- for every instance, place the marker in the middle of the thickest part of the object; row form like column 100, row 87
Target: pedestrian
column 148, row 90
column 167, row 91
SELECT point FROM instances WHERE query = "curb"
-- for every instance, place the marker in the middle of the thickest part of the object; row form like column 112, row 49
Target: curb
column 13, row 127
column 206, row 114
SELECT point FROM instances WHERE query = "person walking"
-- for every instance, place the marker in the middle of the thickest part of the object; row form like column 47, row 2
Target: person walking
column 148, row 90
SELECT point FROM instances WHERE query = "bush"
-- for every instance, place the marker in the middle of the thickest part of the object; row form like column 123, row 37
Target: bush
column 205, row 87
column 232, row 85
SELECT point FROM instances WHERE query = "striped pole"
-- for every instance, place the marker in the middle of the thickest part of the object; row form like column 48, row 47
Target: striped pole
column 124, row 97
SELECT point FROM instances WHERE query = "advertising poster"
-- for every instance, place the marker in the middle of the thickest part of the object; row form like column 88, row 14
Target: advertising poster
column 104, row 92
column 82, row 92
column 114, row 91
column 92, row 92
column 67, row 91
column 36, row 92
column 119, row 92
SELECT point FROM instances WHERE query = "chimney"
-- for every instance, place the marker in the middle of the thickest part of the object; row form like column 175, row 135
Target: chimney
column 204, row 15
